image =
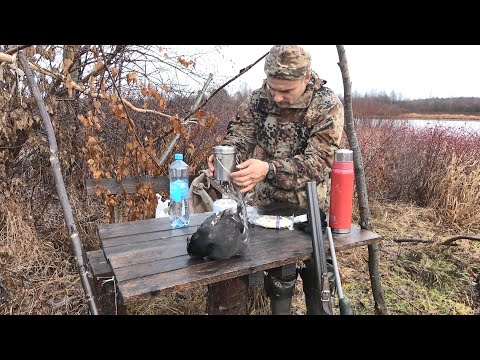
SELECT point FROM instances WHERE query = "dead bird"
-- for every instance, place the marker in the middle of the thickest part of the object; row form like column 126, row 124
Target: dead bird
column 221, row 236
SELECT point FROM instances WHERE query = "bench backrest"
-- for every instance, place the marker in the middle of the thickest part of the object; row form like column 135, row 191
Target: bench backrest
column 129, row 185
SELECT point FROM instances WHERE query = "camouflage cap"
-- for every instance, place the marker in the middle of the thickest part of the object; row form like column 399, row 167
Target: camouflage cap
column 290, row 62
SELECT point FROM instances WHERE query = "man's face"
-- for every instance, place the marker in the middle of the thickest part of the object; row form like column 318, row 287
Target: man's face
column 286, row 92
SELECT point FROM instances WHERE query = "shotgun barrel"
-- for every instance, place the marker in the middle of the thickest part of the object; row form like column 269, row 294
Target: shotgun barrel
column 343, row 303
column 318, row 247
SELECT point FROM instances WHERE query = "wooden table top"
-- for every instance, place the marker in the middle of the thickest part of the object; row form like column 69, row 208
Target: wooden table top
column 148, row 257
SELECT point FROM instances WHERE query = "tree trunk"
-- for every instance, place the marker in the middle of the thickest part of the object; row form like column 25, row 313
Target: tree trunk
column 365, row 223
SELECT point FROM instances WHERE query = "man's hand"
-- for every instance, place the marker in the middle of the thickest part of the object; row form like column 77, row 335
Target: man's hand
column 250, row 173
column 211, row 167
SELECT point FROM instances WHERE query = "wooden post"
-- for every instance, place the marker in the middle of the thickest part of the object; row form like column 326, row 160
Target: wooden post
column 228, row 297
column 365, row 223
column 78, row 250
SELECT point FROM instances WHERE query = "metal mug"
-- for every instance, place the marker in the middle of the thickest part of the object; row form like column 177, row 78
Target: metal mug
column 224, row 161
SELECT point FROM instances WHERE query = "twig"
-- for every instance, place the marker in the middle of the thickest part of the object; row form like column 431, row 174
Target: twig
column 16, row 273
column 413, row 240
column 9, row 58
column 118, row 49
column 452, row 239
column 449, row 241
column 134, row 127
column 411, row 303
column 197, row 107
column 240, row 73
column 16, row 49
column 170, row 146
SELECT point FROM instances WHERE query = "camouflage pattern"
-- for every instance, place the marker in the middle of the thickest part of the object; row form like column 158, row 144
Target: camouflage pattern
column 300, row 140
column 289, row 62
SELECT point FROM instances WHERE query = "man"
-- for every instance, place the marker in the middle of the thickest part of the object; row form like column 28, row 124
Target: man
column 298, row 123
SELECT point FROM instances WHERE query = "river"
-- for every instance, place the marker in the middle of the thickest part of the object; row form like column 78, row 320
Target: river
column 467, row 126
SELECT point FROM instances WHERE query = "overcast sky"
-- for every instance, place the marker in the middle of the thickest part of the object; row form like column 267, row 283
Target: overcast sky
column 412, row 71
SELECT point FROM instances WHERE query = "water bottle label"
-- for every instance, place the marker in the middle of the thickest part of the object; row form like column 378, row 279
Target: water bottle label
column 178, row 190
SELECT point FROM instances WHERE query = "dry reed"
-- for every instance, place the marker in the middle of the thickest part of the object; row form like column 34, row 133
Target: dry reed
column 36, row 277
column 456, row 196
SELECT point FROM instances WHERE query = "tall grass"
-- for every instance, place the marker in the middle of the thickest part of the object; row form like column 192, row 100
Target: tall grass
column 36, row 276
column 429, row 167
column 456, row 196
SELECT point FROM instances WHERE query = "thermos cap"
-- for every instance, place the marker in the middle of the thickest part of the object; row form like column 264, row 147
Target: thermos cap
column 343, row 155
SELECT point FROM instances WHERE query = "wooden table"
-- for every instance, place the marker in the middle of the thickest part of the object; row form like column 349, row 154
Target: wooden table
column 148, row 257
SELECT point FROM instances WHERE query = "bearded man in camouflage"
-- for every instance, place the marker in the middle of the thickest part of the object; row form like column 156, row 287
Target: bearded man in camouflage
column 298, row 123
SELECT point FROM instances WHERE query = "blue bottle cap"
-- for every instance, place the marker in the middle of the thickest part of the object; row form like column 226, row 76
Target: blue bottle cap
column 178, row 156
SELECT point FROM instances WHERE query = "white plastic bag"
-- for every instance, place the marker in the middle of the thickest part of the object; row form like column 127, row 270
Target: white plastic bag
column 269, row 221
column 162, row 207
column 274, row 222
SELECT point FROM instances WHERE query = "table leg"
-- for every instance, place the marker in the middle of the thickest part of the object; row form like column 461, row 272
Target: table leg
column 228, row 297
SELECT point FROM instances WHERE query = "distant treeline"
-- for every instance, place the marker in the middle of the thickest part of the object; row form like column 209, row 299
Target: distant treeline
column 461, row 105
column 378, row 102
column 453, row 105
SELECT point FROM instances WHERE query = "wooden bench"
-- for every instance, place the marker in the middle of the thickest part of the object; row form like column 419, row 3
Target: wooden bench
column 147, row 258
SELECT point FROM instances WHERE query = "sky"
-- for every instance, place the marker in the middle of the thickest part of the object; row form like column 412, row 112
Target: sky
column 411, row 71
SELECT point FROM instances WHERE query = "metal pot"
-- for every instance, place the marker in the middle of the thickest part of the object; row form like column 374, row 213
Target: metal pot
column 224, row 161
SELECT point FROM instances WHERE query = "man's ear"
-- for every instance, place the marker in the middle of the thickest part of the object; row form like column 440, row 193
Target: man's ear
column 307, row 77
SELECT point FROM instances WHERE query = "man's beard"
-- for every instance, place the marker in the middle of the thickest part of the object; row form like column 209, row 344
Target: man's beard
column 283, row 104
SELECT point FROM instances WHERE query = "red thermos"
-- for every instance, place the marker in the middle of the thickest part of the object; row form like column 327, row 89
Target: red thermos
column 341, row 193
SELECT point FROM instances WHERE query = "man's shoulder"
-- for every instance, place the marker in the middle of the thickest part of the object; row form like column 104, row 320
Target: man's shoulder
column 258, row 100
column 259, row 93
column 325, row 95
column 322, row 93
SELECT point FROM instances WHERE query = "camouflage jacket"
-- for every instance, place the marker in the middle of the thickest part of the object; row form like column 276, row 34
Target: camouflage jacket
column 299, row 140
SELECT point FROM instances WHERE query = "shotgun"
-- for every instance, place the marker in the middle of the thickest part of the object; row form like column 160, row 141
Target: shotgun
column 343, row 303
column 318, row 247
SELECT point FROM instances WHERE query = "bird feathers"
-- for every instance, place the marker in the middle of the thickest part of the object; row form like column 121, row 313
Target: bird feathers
column 221, row 236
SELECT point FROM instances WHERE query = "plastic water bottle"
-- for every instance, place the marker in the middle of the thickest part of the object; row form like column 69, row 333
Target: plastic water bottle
column 179, row 212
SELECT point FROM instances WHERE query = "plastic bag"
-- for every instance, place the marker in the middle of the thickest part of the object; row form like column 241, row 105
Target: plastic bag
column 162, row 207
column 269, row 221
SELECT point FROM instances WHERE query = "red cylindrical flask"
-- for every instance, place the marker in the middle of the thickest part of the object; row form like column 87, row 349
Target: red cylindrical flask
column 341, row 192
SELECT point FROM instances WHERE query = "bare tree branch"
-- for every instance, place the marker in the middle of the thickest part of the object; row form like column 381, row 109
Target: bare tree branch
column 16, row 49
column 170, row 146
column 241, row 72
column 134, row 127
column 90, row 93
column 108, row 59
